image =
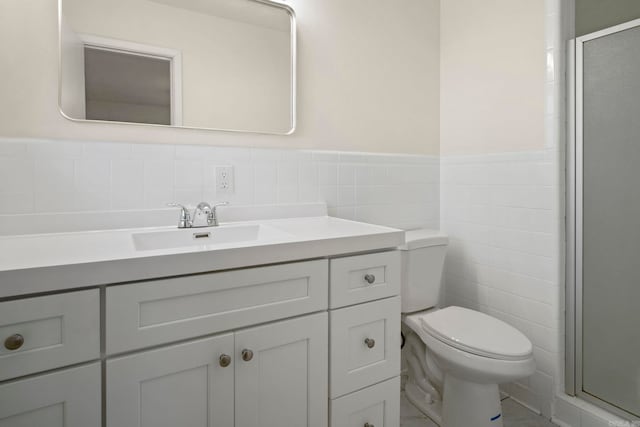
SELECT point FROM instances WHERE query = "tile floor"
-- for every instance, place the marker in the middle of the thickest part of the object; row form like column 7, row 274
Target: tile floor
column 515, row 415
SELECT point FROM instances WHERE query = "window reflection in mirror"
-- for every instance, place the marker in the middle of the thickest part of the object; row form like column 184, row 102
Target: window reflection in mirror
column 127, row 87
column 220, row 64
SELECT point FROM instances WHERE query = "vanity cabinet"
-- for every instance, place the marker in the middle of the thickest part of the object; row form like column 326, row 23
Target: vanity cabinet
column 273, row 375
column 66, row 398
column 302, row 344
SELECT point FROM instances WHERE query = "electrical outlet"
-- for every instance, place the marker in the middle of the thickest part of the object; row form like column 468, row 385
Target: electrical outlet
column 224, row 179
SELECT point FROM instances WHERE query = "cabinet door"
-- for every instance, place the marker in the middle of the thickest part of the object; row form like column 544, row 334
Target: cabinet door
column 283, row 381
column 182, row 385
column 69, row 398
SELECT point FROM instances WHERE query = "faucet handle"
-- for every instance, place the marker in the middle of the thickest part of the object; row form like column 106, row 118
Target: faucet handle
column 214, row 212
column 185, row 217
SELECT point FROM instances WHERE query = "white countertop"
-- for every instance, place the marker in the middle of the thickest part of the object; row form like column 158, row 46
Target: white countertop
column 38, row 263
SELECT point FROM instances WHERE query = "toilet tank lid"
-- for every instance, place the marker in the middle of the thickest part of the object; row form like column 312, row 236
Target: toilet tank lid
column 423, row 238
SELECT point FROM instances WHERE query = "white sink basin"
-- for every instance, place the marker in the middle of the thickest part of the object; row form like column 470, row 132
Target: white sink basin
column 207, row 236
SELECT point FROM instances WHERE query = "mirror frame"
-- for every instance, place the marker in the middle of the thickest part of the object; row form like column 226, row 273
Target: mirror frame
column 293, row 103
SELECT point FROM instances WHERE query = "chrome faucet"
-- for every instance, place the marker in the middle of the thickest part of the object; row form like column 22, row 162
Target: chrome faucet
column 204, row 215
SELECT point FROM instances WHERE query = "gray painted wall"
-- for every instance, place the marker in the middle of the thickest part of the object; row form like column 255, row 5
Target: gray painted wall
column 594, row 15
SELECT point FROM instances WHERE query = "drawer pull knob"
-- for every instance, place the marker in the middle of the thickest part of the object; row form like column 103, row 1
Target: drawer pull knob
column 369, row 278
column 14, row 342
column 370, row 342
column 247, row 355
column 368, row 425
column 225, row 360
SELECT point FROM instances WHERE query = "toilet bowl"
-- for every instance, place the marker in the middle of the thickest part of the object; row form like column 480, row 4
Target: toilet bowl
column 455, row 357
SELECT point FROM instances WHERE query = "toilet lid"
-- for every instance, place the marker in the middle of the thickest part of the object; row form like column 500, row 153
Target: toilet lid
column 477, row 333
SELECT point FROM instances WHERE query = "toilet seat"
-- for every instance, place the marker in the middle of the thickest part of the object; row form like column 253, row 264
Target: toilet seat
column 474, row 332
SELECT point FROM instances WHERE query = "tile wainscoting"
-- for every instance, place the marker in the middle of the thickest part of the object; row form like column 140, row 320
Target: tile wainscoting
column 61, row 176
column 501, row 213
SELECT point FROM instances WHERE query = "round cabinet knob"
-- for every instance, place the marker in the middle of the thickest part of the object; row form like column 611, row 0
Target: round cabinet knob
column 370, row 342
column 369, row 278
column 247, row 355
column 225, row 360
column 14, row 342
column 368, row 425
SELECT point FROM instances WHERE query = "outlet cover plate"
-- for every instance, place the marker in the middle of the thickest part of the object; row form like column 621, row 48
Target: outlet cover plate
column 224, row 180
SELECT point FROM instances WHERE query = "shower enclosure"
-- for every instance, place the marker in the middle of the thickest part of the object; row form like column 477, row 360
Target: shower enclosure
column 603, row 227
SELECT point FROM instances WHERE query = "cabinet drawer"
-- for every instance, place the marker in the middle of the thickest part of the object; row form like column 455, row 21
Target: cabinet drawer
column 67, row 398
column 37, row 334
column 365, row 345
column 161, row 311
column 364, row 278
column 378, row 405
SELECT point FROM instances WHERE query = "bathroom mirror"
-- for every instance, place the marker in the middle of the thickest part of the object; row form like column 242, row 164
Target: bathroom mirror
column 209, row 64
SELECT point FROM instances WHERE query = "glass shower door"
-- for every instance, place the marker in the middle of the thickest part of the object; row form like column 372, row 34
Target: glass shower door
column 608, row 217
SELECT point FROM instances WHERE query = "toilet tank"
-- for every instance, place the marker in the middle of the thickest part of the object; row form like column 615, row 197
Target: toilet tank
column 422, row 264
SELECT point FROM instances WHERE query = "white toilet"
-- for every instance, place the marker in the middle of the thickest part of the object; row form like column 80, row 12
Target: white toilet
column 455, row 357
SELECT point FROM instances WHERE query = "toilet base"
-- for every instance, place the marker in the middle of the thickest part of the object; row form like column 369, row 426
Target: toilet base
column 423, row 401
column 467, row 404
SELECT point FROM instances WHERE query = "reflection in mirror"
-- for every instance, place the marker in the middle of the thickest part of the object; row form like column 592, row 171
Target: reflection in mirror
column 216, row 64
column 127, row 87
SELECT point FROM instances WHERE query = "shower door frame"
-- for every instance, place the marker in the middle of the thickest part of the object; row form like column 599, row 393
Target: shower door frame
column 574, row 225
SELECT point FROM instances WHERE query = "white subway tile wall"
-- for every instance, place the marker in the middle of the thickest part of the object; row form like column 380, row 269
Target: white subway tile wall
column 58, row 176
column 501, row 214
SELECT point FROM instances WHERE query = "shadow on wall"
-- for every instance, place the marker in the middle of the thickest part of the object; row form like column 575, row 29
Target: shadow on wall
column 460, row 279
